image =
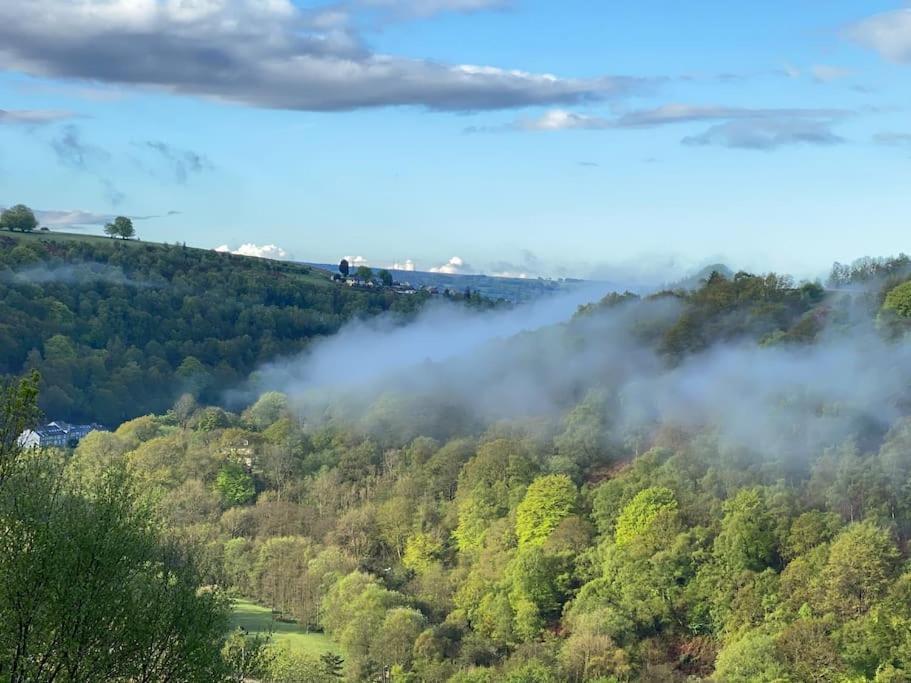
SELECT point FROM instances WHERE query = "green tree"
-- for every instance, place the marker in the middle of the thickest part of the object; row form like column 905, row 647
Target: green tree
column 121, row 227
column 364, row 273
column 421, row 550
column 88, row 589
column 752, row 658
column 748, row 537
column 235, row 485
column 548, row 501
column 401, row 628
column 331, row 665
column 898, row 300
column 246, row 656
column 652, row 510
column 385, row 277
column 18, row 217
column 862, row 564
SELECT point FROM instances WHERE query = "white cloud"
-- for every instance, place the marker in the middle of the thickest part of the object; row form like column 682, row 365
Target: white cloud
column 560, row 119
column 454, row 266
column 514, row 275
column 407, row 265
column 357, row 261
column 888, row 33
column 269, row 251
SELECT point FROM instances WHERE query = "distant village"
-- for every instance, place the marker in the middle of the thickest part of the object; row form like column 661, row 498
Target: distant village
column 364, row 276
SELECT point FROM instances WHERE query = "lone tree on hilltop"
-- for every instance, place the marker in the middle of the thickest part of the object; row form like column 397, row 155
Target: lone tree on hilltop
column 344, row 268
column 122, row 227
column 385, row 277
column 364, row 273
column 18, row 217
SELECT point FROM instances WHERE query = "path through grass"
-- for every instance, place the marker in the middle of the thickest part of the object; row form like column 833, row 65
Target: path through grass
column 257, row 619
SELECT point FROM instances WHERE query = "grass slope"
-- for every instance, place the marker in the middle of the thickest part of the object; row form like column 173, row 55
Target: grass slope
column 307, row 273
column 257, row 619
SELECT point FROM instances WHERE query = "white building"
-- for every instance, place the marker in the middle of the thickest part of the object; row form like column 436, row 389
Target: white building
column 57, row 434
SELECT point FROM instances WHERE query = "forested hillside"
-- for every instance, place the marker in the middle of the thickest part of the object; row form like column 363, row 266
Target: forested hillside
column 120, row 328
column 717, row 488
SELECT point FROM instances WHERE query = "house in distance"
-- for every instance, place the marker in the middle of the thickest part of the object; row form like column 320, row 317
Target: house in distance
column 56, row 434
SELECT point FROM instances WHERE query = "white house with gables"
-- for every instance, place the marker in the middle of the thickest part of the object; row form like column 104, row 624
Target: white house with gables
column 57, row 434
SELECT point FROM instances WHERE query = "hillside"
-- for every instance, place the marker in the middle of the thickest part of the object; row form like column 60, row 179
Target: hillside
column 705, row 485
column 122, row 328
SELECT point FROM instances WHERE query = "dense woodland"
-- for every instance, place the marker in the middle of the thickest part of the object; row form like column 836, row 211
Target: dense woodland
column 569, row 545
column 119, row 329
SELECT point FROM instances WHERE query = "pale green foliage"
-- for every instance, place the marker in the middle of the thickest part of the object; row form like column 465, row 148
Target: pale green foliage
column 270, row 407
column 898, row 300
column 547, row 502
column 401, row 627
column 490, row 484
column 862, row 563
column 651, row 509
column 747, row 539
column 750, row 659
column 96, row 452
column 421, row 551
column 235, row 485
column 292, row 666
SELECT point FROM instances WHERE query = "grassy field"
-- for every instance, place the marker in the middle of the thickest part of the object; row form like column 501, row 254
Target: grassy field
column 257, row 619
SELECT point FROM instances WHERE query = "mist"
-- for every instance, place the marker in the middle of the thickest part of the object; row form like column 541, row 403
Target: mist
column 76, row 273
column 538, row 361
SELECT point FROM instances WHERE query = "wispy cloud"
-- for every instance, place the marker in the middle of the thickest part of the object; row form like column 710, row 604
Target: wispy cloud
column 826, row 73
column 181, row 162
column 736, row 127
column 766, row 134
column 33, row 117
column 266, row 54
column 79, row 218
column 72, row 151
column 891, row 139
column 427, row 8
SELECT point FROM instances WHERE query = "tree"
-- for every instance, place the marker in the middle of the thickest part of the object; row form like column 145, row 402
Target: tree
column 548, row 501
column 898, row 300
column 344, row 268
column 364, row 273
column 122, row 227
column 651, row 510
column 88, row 589
column 862, row 563
column 331, row 665
column 385, row 277
column 18, row 217
column 234, row 485
column 748, row 538
column 753, row 657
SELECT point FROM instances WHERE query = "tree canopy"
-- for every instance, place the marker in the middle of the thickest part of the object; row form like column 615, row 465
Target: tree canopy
column 18, row 217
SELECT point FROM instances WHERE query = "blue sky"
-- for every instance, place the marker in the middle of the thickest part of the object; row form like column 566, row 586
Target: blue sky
column 601, row 138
